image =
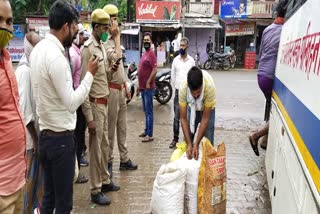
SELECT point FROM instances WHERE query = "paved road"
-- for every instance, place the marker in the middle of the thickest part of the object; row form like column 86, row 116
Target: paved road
column 240, row 106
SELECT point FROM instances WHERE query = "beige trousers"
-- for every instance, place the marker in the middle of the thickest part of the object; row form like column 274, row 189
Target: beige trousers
column 99, row 149
column 12, row 204
column 117, row 123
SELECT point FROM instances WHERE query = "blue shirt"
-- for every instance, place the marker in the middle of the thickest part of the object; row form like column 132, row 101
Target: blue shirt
column 269, row 50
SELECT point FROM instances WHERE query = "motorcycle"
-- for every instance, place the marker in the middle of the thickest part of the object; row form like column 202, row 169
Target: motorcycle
column 163, row 91
column 217, row 61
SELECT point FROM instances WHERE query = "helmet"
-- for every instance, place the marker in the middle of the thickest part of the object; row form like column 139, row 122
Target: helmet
column 111, row 9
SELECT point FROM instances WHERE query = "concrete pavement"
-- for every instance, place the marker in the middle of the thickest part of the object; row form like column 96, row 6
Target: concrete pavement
column 240, row 108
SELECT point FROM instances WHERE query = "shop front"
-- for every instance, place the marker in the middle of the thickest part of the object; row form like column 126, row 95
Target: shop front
column 162, row 19
column 240, row 37
column 130, row 40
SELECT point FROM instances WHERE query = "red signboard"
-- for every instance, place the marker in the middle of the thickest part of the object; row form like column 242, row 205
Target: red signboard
column 157, row 12
column 240, row 29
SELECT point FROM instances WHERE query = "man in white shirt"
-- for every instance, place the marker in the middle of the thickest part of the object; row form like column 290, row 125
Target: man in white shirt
column 27, row 108
column 56, row 105
column 179, row 71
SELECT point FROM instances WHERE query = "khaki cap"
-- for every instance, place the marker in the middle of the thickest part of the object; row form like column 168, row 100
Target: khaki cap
column 111, row 9
column 99, row 16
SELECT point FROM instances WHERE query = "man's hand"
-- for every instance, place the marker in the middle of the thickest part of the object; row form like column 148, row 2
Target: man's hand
column 114, row 66
column 189, row 151
column 148, row 85
column 92, row 127
column 195, row 152
column 115, row 29
column 93, row 65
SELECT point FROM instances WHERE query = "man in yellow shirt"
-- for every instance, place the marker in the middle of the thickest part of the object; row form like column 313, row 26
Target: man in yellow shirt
column 197, row 100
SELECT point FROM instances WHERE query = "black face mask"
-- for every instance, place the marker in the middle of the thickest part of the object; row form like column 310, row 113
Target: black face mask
column 182, row 51
column 146, row 45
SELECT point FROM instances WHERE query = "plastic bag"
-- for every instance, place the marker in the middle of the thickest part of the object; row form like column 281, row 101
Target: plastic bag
column 212, row 179
column 178, row 152
column 168, row 190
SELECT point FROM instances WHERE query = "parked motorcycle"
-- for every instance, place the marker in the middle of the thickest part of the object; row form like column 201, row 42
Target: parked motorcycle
column 217, row 61
column 163, row 92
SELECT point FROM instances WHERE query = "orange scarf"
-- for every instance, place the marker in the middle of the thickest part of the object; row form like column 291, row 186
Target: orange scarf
column 279, row 21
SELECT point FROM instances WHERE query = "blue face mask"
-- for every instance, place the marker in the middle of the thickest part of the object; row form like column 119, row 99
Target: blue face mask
column 182, row 51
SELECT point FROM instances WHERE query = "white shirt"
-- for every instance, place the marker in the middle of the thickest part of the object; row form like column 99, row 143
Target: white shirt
column 180, row 69
column 51, row 78
column 27, row 106
column 176, row 45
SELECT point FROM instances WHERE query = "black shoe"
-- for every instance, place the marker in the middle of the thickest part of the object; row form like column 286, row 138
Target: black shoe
column 110, row 169
column 84, row 162
column 129, row 165
column 100, row 199
column 173, row 144
column 109, row 187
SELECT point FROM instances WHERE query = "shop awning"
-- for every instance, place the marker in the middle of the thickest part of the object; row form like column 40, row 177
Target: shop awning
column 202, row 23
column 134, row 31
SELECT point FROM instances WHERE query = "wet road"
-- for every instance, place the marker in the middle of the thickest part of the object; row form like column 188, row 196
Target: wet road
column 240, row 108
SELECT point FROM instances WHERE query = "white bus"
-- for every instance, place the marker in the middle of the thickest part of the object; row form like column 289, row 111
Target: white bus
column 293, row 153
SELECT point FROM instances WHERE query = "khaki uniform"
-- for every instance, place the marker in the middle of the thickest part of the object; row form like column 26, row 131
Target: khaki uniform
column 98, row 143
column 117, row 112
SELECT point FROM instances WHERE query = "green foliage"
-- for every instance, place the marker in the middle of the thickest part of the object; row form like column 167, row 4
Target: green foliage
column 121, row 4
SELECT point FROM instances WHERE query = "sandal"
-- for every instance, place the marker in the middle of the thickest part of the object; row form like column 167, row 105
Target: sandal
column 254, row 145
column 142, row 135
column 147, row 139
column 82, row 179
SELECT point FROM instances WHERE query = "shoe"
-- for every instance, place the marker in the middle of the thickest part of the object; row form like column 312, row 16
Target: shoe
column 83, row 162
column 82, row 179
column 110, row 187
column 110, row 169
column 147, row 139
column 173, row 144
column 142, row 135
column 100, row 199
column 254, row 145
column 129, row 165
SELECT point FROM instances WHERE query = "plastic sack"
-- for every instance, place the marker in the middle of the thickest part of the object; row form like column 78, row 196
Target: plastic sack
column 212, row 180
column 178, row 152
column 168, row 190
column 191, row 186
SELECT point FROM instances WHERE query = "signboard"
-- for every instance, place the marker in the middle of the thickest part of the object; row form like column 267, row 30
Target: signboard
column 157, row 12
column 36, row 23
column 15, row 46
column 233, row 9
column 240, row 29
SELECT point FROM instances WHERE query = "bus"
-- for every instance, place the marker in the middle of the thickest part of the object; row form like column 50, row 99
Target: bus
column 293, row 152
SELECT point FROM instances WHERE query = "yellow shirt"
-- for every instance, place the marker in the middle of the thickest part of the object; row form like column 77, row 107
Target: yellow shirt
column 209, row 97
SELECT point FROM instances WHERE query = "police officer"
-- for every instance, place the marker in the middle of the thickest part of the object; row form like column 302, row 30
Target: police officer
column 95, row 109
column 117, row 111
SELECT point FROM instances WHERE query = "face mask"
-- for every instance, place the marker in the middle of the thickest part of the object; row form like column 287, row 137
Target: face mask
column 182, row 51
column 5, row 37
column 104, row 36
column 146, row 45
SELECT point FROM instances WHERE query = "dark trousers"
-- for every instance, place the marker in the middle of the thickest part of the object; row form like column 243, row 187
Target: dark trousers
column 176, row 119
column 57, row 156
column 79, row 134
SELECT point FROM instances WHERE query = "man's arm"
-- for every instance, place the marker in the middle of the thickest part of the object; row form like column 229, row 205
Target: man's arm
column 60, row 74
column 25, row 102
column 152, row 76
column 203, row 124
column 173, row 73
column 86, row 107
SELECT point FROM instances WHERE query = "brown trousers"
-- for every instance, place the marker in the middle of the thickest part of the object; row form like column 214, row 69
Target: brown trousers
column 99, row 149
column 117, row 123
column 12, row 204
